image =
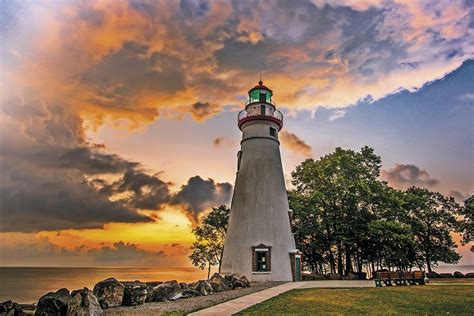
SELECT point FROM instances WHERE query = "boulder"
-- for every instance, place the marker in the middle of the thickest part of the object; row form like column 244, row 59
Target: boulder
column 432, row 275
column 149, row 289
column 469, row 275
column 135, row 293
column 219, row 283
column 83, row 303
column 109, row 293
column 53, row 303
column 183, row 286
column 203, row 287
column 334, row 276
column 10, row 308
column 237, row 281
column 164, row 292
column 459, row 275
column 352, row 276
column 446, row 275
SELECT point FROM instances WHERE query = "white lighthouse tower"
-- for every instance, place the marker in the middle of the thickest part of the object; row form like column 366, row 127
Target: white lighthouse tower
column 259, row 241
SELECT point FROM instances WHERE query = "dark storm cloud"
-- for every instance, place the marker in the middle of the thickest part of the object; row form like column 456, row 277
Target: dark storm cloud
column 199, row 194
column 148, row 191
column 407, row 175
column 44, row 184
column 90, row 161
column 134, row 70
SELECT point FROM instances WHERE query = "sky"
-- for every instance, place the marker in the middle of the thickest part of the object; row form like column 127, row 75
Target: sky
column 118, row 126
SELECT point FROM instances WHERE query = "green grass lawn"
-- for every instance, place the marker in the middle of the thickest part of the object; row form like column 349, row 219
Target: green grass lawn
column 445, row 299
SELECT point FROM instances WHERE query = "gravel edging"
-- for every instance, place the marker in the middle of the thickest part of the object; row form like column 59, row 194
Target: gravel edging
column 187, row 305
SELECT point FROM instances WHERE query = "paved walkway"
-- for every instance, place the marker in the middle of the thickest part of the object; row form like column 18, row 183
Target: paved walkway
column 243, row 302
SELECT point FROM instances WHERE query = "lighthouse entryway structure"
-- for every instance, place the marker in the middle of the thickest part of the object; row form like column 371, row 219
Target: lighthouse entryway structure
column 259, row 243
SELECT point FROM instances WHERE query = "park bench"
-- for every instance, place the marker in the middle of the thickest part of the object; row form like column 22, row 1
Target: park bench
column 390, row 278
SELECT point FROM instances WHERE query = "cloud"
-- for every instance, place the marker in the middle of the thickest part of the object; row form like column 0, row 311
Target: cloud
column 295, row 144
column 126, row 254
column 52, row 179
column 146, row 192
column 131, row 60
column 198, row 195
column 403, row 176
column 201, row 110
column 337, row 114
column 460, row 197
column 221, row 141
column 42, row 252
column 217, row 141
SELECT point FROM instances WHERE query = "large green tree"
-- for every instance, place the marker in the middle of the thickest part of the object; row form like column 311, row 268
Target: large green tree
column 345, row 218
column 433, row 217
column 337, row 194
column 210, row 238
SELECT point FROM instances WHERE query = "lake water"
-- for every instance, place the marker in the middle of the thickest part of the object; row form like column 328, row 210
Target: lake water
column 27, row 285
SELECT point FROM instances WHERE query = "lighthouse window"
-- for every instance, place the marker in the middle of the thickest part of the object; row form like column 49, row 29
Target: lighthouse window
column 262, row 264
column 273, row 132
column 261, row 258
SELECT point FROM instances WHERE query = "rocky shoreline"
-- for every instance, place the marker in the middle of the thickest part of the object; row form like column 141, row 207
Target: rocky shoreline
column 112, row 297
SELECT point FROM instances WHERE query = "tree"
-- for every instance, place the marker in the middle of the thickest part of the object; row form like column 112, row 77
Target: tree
column 210, row 238
column 432, row 218
column 333, row 198
column 467, row 222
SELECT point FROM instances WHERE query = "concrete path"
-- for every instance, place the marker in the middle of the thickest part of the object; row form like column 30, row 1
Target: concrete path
column 243, row 302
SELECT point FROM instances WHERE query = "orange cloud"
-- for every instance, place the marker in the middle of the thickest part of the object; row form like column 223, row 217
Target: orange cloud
column 295, row 144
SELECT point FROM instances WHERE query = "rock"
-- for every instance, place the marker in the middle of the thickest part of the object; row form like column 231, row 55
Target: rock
column 164, row 291
column 245, row 280
column 458, row 275
column 334, row 276
column 109, row 293
column 135, row 293
column 446, row 275
column 432, row 275
column 53, row 303
column 352, row 276
column 149, row 288
column 219, row 283
column 203, row 287
column 236, row 281
column 190, row 293
column 153, row 283
column 83, row 303
column 10, row 308
column 469, row 275
column 362, row 275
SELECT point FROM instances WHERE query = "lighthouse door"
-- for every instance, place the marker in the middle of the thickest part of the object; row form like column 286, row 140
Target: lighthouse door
column 297, row 268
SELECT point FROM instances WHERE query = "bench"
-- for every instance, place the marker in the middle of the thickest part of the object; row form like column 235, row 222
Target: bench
column 398, row 278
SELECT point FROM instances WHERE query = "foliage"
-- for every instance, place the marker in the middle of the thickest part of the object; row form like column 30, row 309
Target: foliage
column 467, row 223
column 210, row 237
column 345, row 218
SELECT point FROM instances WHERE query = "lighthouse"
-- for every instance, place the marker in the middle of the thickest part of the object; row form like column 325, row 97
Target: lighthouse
column 259, row 243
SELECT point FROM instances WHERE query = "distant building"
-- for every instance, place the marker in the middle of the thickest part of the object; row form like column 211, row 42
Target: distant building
column 260, row 244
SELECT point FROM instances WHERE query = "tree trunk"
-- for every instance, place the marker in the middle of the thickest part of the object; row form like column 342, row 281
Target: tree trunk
column 339, row 260
column 348, row 262
column 209, row 270
column 428, row 263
